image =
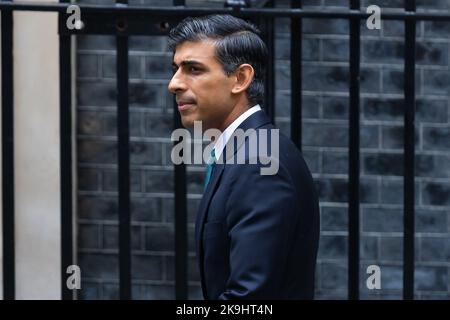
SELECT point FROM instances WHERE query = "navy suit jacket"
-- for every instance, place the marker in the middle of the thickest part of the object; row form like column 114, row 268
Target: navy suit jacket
column 257, row 235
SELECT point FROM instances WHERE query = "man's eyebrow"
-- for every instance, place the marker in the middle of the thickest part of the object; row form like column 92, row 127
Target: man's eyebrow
column 188, row 63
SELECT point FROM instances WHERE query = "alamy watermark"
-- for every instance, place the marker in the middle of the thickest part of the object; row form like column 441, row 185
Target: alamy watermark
column 74, row 20
column 374, row 280
column 374, row 21
column 263, row 147
column 74, row 280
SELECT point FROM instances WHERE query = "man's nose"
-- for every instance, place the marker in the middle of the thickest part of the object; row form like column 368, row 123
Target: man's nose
column 176, row 84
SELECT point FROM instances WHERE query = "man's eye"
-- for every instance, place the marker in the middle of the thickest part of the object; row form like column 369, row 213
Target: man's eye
column 193, row 69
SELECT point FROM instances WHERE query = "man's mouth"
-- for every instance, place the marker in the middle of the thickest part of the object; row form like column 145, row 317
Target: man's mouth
column 184, row 105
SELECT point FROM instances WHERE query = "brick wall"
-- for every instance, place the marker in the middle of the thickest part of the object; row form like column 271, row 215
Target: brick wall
column 325, row 140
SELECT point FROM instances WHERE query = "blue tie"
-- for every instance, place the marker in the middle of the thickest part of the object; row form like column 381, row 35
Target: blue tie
column 209, row 168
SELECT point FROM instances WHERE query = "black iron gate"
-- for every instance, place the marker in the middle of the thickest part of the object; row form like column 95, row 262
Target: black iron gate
column 123, row 21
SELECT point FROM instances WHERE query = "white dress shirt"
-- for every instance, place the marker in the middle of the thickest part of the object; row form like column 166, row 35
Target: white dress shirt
column 226, row 135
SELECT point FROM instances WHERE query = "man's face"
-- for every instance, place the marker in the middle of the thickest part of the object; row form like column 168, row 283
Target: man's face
column 202, row 89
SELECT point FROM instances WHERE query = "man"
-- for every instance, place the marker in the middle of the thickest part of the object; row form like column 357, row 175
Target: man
column 256, row 235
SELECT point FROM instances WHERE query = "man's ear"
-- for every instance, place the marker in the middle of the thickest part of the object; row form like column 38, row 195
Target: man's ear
column 244, row 75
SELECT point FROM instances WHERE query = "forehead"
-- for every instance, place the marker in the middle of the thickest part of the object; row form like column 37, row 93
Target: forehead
column 201, row 51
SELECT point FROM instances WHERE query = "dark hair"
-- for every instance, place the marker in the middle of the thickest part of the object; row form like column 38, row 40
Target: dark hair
column 236, row 41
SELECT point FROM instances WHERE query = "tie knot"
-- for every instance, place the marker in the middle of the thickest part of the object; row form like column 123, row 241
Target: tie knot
column 212, row 157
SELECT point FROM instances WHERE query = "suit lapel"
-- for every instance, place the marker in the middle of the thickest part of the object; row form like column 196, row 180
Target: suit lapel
column 204, row 203
column 201, row 216
column 254, row 121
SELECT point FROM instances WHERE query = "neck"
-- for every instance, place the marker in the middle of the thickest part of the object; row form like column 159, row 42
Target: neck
column 233, row 115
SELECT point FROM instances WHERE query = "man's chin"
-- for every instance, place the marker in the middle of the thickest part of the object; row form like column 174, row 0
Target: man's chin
column 187, row 122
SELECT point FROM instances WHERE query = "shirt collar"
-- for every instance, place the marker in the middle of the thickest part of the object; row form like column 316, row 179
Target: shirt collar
column 226, row 135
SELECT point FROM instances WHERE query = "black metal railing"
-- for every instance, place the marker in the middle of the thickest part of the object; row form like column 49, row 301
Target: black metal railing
column 8, row 152
column 65, row 124
column 123, row 20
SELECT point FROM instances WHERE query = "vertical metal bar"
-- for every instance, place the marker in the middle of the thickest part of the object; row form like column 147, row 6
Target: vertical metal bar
column 268, row 24
column 354, row 156
column 181, row 238
column 8, row 156
column 409, row 153
column 65, row 122
column 123, row 131
column 296, row 77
